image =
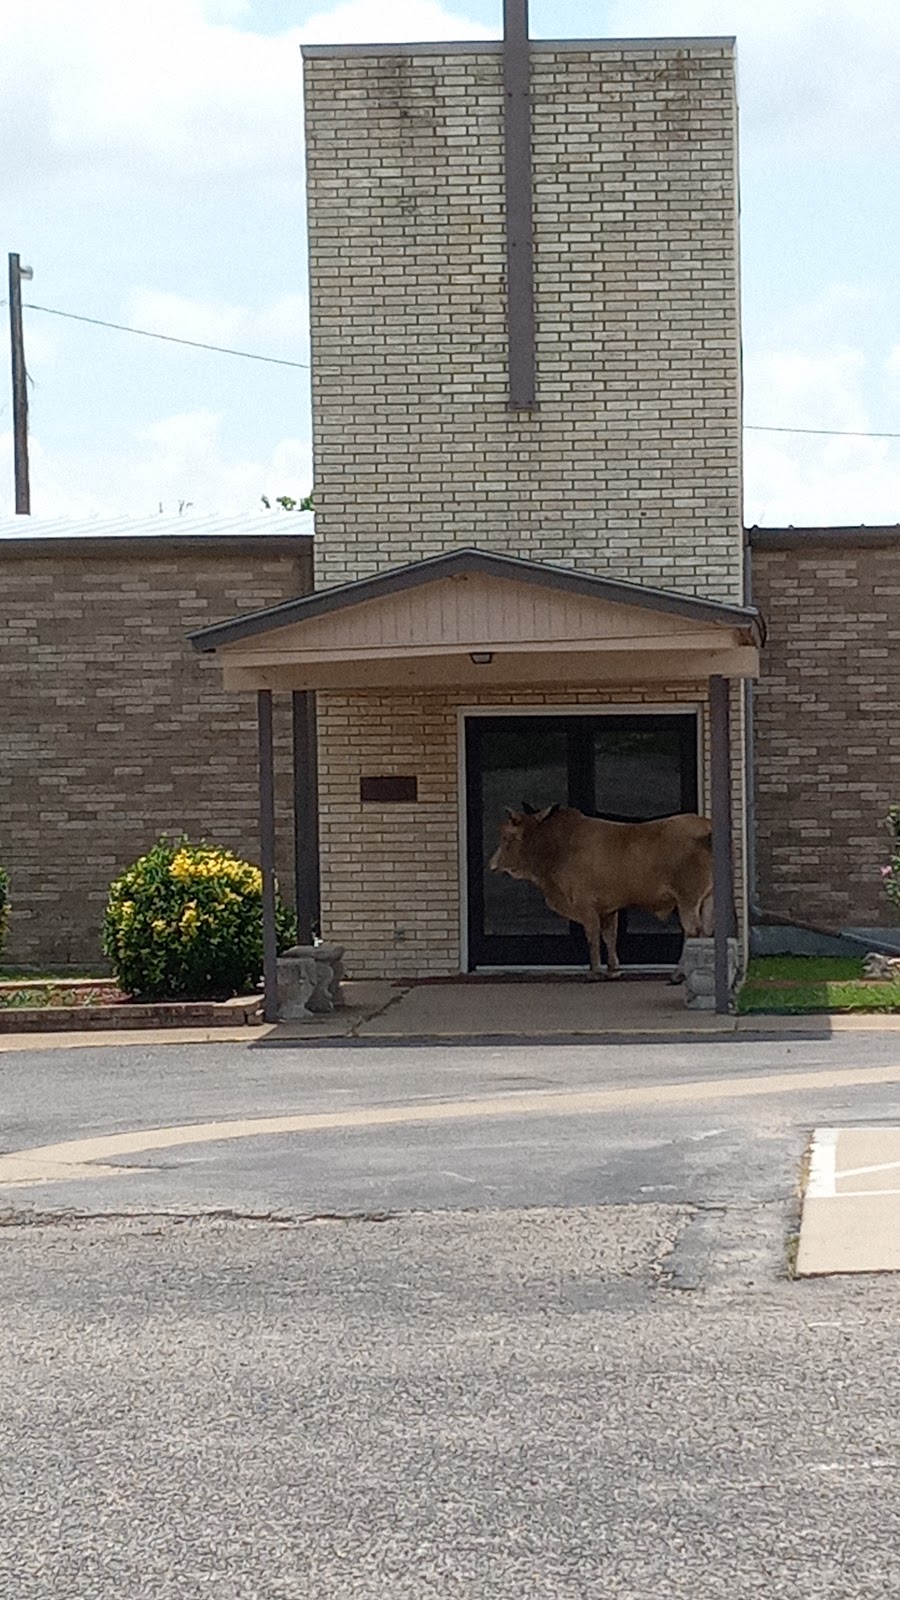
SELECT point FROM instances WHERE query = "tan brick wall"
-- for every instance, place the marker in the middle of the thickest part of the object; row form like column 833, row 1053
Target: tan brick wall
column 113, row 730
column 391, row 881
column 631, row 464
column 827, row 747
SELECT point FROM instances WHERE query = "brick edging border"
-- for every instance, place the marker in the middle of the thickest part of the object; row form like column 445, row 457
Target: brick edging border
column 84, row 1019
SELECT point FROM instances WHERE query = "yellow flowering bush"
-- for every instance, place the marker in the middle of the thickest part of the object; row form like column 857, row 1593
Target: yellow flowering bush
column 185, row 923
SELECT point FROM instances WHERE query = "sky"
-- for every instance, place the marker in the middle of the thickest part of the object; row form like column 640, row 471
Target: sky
column 153, row 176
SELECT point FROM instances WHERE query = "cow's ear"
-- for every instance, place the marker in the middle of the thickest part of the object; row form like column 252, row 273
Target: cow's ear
column 548, row 811
column 512, row 816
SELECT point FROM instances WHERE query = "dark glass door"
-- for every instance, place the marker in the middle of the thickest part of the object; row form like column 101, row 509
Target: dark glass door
column 626, row 768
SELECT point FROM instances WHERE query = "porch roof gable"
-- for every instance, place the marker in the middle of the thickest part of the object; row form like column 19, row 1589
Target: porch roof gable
column 471, row 562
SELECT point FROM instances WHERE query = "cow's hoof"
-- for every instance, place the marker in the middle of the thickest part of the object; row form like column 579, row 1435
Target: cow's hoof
column 613, row 977
column 677, row 977
column 595, row 976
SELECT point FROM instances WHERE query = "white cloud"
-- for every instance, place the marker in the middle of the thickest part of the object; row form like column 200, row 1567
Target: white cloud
column 279, row 328
column 821, row 482
column 795, row 478
column 42, row 345
column 127, row 99
column 390, row 22
column 841, row 311
column 173, row 87
column 151, row 83
column 821, row 367
column 821, row 389
column 819, row 74
column 175, row 460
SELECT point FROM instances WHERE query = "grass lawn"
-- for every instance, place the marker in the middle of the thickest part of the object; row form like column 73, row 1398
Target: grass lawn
column 797, row 984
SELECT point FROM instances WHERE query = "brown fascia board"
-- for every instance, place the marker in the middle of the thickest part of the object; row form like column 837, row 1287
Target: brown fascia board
column 145, row 544
column 458, row 563
column 856, row 537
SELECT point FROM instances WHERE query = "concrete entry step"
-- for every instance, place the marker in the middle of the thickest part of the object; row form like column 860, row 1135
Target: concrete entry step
column 851, row 1205
column 535, row 1010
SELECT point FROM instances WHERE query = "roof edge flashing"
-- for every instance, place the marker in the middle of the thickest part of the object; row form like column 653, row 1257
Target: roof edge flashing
column 850, row 537
column 39, row 545
column 468, row 47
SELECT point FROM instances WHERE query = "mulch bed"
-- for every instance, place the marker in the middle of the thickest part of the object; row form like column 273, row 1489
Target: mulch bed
column 30, row 993
column 49, row 1005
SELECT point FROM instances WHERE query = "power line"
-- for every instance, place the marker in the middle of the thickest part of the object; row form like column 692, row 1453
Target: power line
column 833, row 433
column 195, row 344
column 304, row 366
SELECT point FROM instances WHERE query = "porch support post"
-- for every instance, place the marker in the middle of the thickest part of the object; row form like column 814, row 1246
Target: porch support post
column 723, row 879
column 306, row 816
column 267, row 853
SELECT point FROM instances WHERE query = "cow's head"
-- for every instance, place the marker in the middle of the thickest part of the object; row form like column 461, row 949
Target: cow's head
column 517, row 830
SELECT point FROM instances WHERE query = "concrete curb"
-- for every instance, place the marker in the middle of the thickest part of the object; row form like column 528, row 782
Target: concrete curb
column 107, row 1038
column 319, row 1035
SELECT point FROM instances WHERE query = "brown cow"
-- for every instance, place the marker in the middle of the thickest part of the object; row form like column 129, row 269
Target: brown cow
column 589, row 870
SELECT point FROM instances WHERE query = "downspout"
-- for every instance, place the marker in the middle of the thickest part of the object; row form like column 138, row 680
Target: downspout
column 753, row 906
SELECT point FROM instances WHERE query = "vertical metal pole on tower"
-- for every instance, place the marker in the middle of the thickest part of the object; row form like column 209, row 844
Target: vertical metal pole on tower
column 520, row 313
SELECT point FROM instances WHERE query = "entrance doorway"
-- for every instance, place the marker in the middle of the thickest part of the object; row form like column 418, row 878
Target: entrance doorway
column 625, row 767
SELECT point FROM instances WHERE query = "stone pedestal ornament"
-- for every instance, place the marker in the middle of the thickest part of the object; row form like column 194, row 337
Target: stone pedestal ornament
column 878, row 965
column 309, row 981
column 698, row 964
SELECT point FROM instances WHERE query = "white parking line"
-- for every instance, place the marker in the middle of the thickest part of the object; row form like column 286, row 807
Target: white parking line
column 862, row 1194
column 858, row 1172
column 821, row 1182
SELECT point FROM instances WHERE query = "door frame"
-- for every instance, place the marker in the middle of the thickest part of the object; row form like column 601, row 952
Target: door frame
column 622, row 708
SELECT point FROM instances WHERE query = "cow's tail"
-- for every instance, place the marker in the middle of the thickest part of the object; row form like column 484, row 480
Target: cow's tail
column 699, row 828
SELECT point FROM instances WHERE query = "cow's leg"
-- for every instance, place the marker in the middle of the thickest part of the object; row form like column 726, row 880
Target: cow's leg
column 591, row 925
column 696, row 920
column 689, row 916
column 678, row 974
column 609, row 927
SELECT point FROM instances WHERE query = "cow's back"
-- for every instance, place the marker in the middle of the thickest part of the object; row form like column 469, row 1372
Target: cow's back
column 615, row 864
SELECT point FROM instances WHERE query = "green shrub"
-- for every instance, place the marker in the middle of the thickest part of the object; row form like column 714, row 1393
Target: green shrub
column 185, row 923
column 4, row 904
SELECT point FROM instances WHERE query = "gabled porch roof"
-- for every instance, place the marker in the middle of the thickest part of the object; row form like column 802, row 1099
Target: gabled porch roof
column 474, row 618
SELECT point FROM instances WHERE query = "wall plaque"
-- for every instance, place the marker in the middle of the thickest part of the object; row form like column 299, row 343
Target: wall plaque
column 388, row 791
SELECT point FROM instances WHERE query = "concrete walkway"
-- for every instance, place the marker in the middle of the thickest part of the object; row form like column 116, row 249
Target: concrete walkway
column 851, row 1204
column 527, row 1010
column 536, row 1009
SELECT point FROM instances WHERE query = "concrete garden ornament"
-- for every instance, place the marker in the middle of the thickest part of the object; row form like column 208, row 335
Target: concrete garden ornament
column 309, row 981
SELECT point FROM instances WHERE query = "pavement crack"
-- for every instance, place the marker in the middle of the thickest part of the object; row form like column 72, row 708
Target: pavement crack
column 731, row 1246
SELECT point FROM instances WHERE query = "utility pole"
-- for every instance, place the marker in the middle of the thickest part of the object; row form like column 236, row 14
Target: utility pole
column 19, row 385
